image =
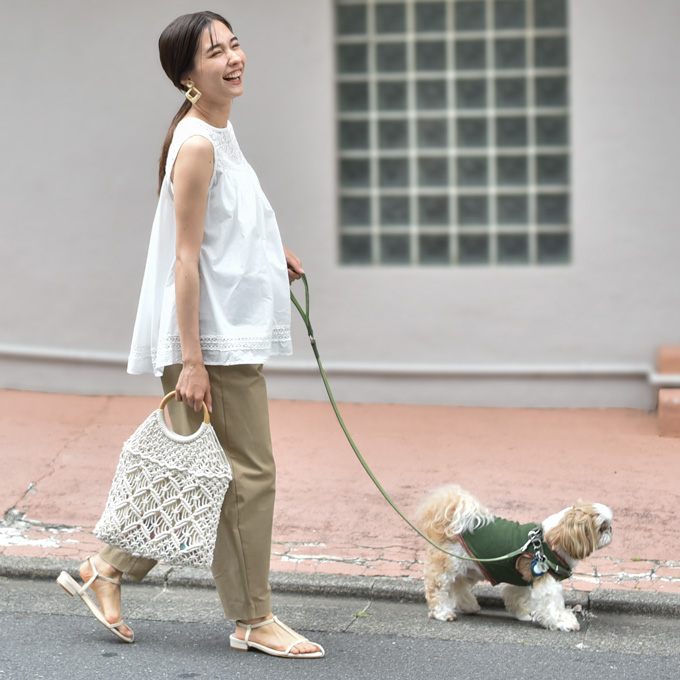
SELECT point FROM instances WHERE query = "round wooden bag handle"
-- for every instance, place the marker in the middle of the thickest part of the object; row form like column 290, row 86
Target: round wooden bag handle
column 170, row 395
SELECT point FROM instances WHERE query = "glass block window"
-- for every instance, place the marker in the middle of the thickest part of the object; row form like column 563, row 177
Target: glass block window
column 453, row 132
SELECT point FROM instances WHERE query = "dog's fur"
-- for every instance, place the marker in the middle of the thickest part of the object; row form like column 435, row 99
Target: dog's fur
column 573, row 534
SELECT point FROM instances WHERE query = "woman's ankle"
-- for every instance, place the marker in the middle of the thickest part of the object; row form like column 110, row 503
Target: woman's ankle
column 252, row 622
column 104, row 568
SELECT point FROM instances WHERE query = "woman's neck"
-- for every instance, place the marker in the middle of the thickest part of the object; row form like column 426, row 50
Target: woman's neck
column 216, row 116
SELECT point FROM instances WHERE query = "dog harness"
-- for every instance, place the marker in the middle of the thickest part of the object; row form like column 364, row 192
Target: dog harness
column 505, row 536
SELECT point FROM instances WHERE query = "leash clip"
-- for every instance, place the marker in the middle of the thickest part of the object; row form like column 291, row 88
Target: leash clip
column 539, row 565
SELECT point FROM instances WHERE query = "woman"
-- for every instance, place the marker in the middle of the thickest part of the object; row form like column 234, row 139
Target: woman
column 214, row 306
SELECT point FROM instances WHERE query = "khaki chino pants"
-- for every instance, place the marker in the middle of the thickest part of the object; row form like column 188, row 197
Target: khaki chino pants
column 242, row 552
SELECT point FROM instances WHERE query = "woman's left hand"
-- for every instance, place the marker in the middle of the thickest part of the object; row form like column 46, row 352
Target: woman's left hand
column 294, row 266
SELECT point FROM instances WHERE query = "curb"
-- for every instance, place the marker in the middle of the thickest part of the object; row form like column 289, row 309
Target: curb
column 369, row 587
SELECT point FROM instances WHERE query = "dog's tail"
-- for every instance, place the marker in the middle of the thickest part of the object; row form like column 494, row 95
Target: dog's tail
column 450, row 511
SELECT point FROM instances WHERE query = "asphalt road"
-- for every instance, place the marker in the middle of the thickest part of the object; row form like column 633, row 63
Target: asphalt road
column 181, row 633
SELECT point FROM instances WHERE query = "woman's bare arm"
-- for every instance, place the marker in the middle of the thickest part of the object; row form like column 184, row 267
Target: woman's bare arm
column 191, row 179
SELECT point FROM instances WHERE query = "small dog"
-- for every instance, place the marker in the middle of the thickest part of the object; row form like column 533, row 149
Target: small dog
column 457, row 521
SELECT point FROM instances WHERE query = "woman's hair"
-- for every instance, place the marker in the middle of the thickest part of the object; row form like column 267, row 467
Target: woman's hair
column 178, row 45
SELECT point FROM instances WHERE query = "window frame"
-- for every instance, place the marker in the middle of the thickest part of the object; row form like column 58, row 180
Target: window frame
column 547, row 190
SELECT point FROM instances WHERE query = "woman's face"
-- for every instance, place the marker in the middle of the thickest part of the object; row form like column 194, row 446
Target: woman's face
column 219, row 64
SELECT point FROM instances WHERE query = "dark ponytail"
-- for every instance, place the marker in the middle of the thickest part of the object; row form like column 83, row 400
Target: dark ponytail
column 178, row 45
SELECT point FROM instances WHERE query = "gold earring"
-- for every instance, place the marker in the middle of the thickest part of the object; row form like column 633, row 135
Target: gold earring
column 192, row 94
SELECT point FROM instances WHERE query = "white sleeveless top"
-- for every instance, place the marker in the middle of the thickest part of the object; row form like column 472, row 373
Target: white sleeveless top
column 244, row 314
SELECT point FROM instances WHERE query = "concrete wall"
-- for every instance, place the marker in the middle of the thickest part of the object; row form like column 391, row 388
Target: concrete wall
column 87, row 111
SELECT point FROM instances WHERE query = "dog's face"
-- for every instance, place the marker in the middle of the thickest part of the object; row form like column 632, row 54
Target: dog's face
column 580, row 530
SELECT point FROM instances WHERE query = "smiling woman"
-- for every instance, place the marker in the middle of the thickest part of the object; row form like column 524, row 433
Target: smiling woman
column 214, row 307
column 207, row 42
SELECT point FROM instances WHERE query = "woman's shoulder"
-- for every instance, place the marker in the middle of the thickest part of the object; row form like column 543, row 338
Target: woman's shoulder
column 223, row 140
column 191, row 127
column 193, row 137
column 197, row 149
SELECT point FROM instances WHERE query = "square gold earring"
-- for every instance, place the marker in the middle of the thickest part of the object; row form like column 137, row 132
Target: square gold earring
column 192, row 94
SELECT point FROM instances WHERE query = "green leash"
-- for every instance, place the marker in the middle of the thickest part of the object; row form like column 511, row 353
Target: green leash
column 540, row 557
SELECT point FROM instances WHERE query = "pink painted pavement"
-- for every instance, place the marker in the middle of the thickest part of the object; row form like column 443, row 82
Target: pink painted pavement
column 58, row 454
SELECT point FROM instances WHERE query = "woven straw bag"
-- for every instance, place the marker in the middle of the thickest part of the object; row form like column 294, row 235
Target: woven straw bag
column 167, row 493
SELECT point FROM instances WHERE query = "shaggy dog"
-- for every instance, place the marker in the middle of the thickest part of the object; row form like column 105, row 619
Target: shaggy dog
column 458, row 522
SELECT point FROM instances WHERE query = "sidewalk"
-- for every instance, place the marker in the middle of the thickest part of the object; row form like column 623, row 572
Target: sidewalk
column 58, row 454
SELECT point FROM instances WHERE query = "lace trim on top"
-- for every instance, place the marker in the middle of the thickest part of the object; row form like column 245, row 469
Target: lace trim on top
column 217, row 350
column 225, row 144
column 219, row 343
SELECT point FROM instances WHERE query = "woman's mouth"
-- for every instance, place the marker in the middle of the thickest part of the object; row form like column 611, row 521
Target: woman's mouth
column 234, row 77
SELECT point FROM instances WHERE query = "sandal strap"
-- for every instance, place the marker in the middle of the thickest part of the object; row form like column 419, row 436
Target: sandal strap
column 275, row 619
column 299, row 639
column 252, row 626
column 116, row 582
column 95, row 576
column 291, row 632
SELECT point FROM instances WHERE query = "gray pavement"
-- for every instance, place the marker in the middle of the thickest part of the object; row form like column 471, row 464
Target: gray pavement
column 181, row 633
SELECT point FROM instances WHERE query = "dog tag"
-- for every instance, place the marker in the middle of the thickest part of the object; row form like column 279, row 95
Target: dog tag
column 538, row 567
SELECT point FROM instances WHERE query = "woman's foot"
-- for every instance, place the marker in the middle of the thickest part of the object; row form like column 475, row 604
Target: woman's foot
column 276, row 636
column 107, row 593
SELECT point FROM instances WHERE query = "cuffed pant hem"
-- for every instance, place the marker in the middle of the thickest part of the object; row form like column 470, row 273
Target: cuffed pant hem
column 135, row 567
column 243, row 611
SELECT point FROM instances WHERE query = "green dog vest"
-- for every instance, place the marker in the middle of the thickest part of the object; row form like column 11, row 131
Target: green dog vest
column 501, row 537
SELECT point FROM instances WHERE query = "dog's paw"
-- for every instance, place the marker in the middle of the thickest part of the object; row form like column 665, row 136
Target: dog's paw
column 520, row 613
column 442, row 614
column 469, row 606
column 565, row 621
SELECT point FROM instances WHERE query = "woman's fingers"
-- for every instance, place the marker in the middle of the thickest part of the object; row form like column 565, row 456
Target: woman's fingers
column 193, row 388
column 293, row 262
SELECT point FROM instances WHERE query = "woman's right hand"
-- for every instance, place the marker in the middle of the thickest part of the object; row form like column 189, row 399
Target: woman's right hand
column 193, row 387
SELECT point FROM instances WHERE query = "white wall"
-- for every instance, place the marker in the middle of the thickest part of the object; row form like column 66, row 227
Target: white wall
column 81, row 136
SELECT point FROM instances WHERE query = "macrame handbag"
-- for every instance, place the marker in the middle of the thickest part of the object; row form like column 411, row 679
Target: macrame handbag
column 167, row 493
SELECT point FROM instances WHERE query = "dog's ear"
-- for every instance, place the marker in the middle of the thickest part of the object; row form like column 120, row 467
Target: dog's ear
column 577, row 533
column 523, row 566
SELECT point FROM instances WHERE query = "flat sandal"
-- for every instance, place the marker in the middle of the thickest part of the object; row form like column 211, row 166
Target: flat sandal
column 245, row 645
column 72, row 587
